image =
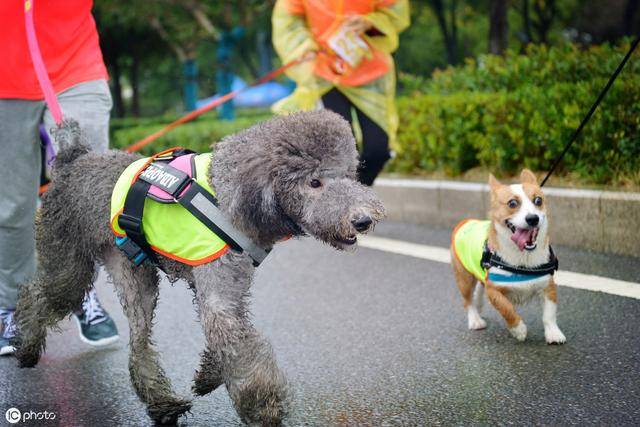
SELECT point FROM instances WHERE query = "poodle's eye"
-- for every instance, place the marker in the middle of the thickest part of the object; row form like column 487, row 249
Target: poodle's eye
column 315, row 183
column 537, row 201
column 513, row 203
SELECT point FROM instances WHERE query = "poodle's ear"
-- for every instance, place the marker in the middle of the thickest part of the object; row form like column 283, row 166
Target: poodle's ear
column 528, row 177
column 494, row 184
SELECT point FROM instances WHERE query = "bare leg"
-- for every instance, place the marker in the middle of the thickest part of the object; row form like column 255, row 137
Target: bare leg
column 255, row 383
column 138, row 291
column 552, row 332
column 505, row 307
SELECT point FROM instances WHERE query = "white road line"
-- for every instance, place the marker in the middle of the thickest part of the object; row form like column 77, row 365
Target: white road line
column 563, row 278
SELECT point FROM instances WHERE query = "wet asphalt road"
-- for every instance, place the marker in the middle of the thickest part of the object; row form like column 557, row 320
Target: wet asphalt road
column 370, row 338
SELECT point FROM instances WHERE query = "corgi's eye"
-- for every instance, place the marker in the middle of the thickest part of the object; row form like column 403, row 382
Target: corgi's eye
column 513, row 203
column 537, row 201
column 315, row 183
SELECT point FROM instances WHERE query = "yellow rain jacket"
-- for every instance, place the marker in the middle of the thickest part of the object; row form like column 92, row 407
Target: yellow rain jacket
column 303, row 26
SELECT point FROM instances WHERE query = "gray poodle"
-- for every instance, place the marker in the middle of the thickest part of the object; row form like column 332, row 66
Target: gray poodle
column 289, row 176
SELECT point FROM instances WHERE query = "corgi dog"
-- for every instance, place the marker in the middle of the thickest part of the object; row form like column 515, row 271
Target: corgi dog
column 510, row 256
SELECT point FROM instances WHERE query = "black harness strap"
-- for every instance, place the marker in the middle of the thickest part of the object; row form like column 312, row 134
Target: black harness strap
column 130, row 220
column 491, row 259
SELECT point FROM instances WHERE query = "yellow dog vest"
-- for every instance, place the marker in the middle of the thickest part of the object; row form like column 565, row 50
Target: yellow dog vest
column 468, row 242
column 169, row 228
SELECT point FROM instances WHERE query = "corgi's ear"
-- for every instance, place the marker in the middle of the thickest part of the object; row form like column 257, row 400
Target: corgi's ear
column 527, row 177
column 494, row 184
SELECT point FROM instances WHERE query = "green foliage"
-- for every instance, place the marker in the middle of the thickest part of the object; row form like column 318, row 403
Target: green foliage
column 503, row 114
column 197, row 135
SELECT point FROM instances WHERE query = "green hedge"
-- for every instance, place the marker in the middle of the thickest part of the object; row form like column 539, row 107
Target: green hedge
column 505, row 113
column 197, row 135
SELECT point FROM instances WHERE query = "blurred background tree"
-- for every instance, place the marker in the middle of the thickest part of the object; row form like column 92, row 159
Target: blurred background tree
column 481, row 60
column 159, row 51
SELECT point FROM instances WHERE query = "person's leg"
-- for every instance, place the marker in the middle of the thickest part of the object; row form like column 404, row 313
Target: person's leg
column 89, row 104
column 335, row 101
column 375, row 141
column 375, row 149
column 20, row 165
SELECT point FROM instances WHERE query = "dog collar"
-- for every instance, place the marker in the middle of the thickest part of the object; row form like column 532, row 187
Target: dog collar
column 491, row 259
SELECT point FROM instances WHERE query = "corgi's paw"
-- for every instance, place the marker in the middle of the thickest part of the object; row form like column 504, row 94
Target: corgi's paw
column 553, row 335
column 519, row 331
column 475, row 321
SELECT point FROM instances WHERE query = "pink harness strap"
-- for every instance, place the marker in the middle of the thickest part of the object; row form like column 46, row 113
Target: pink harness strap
column 38, row 64
column 182, row 163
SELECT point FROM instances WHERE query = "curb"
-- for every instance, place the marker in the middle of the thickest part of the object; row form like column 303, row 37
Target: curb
column 604, row 221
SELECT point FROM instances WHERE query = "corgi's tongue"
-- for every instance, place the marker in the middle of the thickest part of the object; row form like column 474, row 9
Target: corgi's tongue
column 522, row 236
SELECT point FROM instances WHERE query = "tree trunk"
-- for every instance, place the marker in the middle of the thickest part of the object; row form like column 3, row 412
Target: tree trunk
column 449, row 38
column 133, row 77
column 498, row 27
column 526, row 22
column 453, row 42
column 629, row 15
column 546, row 13
column 118, row 102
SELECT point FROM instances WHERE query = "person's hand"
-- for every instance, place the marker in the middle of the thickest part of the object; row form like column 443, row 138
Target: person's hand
column 357, row 24
column 309, row 55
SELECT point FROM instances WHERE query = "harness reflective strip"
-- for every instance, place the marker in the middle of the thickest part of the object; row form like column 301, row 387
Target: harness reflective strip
column 203, row 206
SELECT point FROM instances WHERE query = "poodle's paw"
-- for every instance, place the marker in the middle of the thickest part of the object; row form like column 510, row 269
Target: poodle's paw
column 167, row 412
column 27, row 357
column 209, row 377
column 258, row 404
column 519, row 331
column 553, row 335
column 204, row 384
column 475, row 321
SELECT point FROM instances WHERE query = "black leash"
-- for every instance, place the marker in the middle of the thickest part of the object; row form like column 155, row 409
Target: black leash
column 604, row 91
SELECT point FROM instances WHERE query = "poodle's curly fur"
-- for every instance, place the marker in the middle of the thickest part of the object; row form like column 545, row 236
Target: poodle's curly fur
column 266, row 179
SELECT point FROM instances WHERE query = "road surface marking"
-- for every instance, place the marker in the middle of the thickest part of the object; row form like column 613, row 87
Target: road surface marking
column 563, row 278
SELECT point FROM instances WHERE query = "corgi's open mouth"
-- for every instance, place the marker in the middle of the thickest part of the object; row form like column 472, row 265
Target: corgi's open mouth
column 524, row 238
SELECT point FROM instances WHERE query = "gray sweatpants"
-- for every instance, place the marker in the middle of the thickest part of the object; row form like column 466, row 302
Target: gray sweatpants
column 90, row 104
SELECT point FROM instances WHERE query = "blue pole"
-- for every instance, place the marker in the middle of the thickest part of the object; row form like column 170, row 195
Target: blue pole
column 190, row 73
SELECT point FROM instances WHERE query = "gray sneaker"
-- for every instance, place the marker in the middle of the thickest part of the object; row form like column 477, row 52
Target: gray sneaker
column 95, row 326
column 8, row 333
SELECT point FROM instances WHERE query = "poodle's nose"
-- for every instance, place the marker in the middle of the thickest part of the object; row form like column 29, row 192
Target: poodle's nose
column 532, row 219
column 363, row 223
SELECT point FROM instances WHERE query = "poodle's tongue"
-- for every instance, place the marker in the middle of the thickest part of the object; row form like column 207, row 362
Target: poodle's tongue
column 521, row 236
